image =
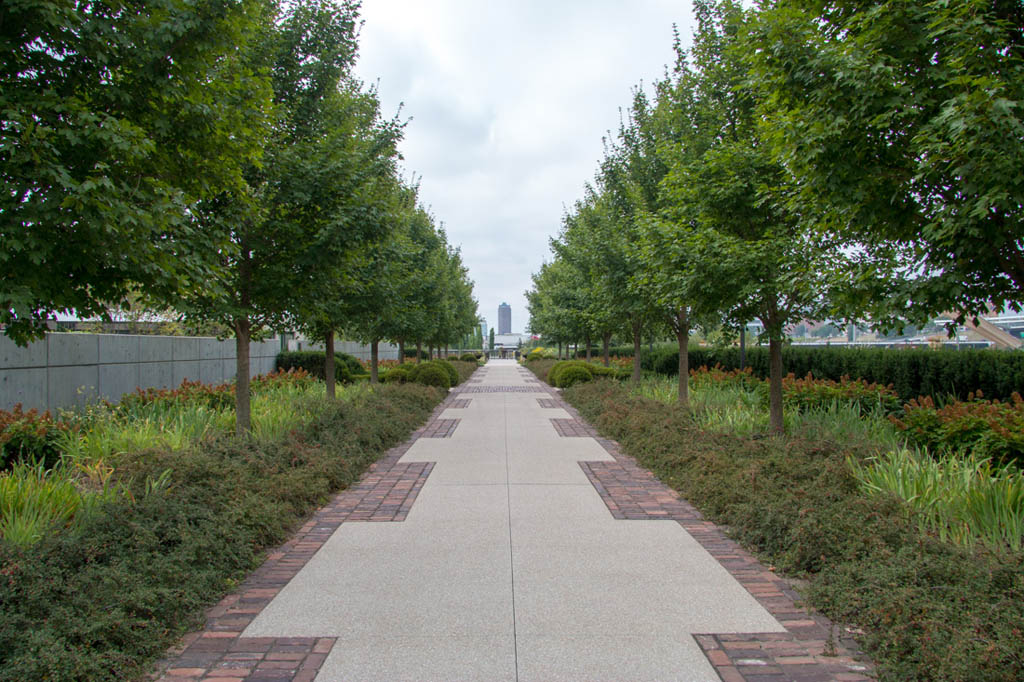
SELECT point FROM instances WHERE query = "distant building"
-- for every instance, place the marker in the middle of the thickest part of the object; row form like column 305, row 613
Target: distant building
column 484, row 331
column 504, row 319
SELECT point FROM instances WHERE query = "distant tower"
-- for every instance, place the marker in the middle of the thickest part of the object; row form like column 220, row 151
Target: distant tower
column 483, row 329
column 504, row 319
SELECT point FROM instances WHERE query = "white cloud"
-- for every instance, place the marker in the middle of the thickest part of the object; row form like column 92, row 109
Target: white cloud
column 509, row 101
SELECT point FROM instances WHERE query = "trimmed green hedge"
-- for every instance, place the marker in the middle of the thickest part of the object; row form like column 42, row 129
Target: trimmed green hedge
column 913, row 372
column 346, row 367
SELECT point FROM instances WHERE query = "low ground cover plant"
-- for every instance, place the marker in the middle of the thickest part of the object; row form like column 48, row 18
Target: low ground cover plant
column 103, row 597
column 931, row 609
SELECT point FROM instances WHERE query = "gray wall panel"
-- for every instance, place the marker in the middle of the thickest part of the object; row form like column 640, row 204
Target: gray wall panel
column 73, row 349
column 156, row 374
column 12, row 355
column 118, row 348
column 211, row 371
column 71, row 386
column 156, row 348
column 185, row 369
column 25, row 386
column 116, row 380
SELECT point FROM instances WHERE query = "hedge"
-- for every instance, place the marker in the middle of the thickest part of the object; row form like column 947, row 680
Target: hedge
column 346, row 367
column 913, row 372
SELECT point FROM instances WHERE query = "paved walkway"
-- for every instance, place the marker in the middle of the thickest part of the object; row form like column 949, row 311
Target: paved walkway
column 515, row 545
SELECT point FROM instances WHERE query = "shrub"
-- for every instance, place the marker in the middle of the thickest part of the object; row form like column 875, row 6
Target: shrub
column 554, row 375
column 572, row 375
column 216, row 397
column 468, row 357
column 396, row 375
column 432, row 374
column 448, row 367
column 346, row 367
column 987, row 428
column 30, row 436
column 809, row 393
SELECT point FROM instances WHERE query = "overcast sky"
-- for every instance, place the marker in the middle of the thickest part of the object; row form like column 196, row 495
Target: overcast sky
column 509, row 102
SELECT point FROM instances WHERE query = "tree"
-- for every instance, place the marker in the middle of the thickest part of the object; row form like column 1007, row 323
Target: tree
column 289, row 212
column 117, row 119
column 490, row 343
column 902, row 124
column 750, row 256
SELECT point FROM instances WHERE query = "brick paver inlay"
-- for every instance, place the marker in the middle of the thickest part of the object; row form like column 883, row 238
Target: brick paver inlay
column 547, row 403
column 569, row 428
column 441, row 428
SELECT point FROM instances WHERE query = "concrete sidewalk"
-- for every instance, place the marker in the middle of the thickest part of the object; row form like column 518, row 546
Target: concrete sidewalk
column 509, row 564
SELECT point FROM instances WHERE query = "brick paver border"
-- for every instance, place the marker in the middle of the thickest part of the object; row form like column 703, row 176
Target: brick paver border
column 812, row 649
column 441, row 428
column 386, row 492
column 569, row 428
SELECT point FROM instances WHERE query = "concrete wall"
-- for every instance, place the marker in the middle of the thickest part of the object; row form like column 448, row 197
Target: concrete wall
column 64, row 370
column 385, row 351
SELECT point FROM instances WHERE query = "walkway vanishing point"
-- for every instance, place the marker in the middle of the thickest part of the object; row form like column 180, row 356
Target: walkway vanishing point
column 505, row 541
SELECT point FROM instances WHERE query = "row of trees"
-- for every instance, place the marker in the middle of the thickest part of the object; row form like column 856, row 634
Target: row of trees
column 217, row 157
column 805, row 160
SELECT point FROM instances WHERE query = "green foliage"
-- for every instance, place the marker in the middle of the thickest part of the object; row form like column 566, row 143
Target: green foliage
column 912, row 372
column 396, row 375
column 346, row 367
column 572, row 375
column 29, row 436
column 930, row 610
column 468, row 357
column 962, row 499
column 809, row 393
column 103, row 602
column 464, row 368
column 117, row 121
column 984, row 428
column 433, row 374
column 901, row 123
column 450, row 370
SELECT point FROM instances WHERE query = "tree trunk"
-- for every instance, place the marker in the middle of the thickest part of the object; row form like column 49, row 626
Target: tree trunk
column 743, row 347
column 446, row 351
column 419, row 350
column 606, row 339
column 430, row 352
column 329, row 364
column 637, row 329
column 401, row 351
column 775, row 384
column 587, row 340
column 559, row 350
column 243, row 414
column 683, row 337
column 373, row 360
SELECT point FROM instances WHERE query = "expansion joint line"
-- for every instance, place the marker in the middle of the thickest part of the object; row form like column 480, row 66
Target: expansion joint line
column 511, row 561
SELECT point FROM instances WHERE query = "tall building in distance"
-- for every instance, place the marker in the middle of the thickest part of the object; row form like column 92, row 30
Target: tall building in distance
column 504, row 319
column 484, row 331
